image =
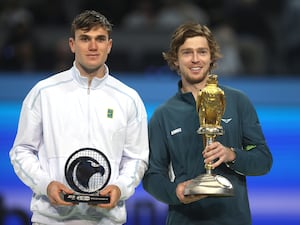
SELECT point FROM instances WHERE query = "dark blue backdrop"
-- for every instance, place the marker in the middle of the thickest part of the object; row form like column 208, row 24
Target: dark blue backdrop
column 274, row 198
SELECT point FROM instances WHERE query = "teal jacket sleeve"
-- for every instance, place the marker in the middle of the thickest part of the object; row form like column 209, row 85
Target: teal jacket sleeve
column 253, row 157
column 156, row 180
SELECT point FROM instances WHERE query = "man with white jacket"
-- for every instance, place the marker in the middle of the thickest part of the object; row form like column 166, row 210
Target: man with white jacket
column 83, row 107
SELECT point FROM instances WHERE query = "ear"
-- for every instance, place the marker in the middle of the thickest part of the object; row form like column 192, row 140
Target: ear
column 176, row 63
column 110, row 46
column 72, row 44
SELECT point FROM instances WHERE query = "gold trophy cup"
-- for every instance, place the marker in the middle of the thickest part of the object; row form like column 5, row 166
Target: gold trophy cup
column 210, row 105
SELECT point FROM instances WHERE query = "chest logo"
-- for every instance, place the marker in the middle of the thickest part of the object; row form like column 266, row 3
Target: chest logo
column 178, row 130
column 110, row 113
column 226, row 120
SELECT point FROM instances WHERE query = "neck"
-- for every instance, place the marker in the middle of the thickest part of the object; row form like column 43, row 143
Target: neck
column 91, row 73
column 195, row 88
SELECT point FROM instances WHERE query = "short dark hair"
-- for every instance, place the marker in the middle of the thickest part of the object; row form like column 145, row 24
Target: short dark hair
column 88, row 20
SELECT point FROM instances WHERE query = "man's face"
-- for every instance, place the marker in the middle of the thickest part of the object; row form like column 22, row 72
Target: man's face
column 91, row 50
column 194, row 60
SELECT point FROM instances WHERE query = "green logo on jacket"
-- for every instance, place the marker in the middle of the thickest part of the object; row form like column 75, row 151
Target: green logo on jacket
column 110, row 113
column 250, row 147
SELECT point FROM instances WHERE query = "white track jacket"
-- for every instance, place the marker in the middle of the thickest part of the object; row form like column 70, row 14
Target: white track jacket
column 60, row 115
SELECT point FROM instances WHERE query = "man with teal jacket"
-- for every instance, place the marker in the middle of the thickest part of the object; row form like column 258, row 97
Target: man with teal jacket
column 177, row 151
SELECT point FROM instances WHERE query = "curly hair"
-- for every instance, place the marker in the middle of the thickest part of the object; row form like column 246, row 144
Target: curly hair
column 189, row 30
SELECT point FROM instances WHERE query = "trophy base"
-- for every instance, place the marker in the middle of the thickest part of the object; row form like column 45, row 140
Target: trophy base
column 211, row 185
column 90, row 199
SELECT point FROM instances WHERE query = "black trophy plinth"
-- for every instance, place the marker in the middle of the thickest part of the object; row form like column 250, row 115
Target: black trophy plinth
column 87, row 171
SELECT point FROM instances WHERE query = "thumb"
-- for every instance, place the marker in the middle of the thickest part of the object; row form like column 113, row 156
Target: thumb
column 104, row 191
column 67, row 190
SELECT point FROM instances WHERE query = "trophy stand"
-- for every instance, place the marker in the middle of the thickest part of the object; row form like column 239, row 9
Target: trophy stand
column 210, row 106
column 87, row 171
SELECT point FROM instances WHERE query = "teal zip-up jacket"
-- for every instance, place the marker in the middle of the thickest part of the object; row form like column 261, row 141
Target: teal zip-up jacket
column 176, row 148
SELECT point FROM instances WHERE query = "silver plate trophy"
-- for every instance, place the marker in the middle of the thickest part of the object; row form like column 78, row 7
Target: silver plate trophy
column 87, row 171
column 210, row 106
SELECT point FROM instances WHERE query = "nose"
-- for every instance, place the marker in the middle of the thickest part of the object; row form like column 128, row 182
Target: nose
column 195, row 57
column 92, row 45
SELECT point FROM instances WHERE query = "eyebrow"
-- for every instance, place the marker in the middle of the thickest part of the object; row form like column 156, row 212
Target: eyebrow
column 201, row 48
column 98, row 36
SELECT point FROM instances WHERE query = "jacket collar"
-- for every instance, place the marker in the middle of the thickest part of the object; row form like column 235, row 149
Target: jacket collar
column 83, row 81
column 187, row 97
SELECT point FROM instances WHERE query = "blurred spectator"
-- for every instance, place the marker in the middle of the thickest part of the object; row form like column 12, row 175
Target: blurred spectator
column 254, row 34
column 116, row 9
column 290, row 37
column 143, row 16
column 51, row 12
column 214, row 9
column 230, row 64
column 17, row 50
column 31, row 30
column 176, row 12
column 63, row 57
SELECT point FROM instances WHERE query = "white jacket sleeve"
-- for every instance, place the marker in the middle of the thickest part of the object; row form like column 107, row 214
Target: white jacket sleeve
column 24, row 153
column 134, row 161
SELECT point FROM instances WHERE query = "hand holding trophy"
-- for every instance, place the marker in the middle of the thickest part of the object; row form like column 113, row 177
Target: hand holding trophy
column 87, row 171
column 210, row 105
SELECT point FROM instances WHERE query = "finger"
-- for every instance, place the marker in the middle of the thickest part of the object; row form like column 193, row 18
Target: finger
column 52, row 201
column 113, row 203
column 67, row 190
column 59, row 200
column 105, row 191
column 216, row 163
column 192, row 198
column 107, row 206
column 210, row 152
column 209, row 158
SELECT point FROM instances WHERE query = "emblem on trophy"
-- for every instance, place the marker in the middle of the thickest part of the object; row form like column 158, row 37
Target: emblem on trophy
column 210, row 105
column 87, row 171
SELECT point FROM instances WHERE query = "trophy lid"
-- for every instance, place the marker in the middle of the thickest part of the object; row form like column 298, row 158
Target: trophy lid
column 212, row 79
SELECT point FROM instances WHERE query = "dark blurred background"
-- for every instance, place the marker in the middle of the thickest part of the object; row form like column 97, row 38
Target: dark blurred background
column 256, row 37
column 260, row 42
